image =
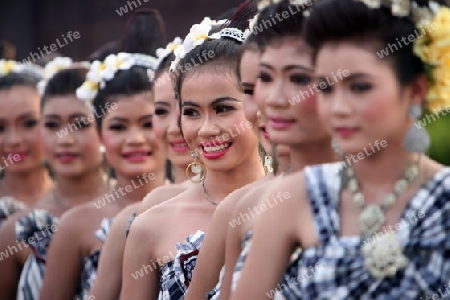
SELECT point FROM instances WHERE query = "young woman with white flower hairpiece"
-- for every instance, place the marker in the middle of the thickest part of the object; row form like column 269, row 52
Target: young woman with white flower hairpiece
column 21, row 164
column 109, row 279
column 378, row 228
column 282, row 69
column 122, row 84
column 168, row 237
column 76, row 163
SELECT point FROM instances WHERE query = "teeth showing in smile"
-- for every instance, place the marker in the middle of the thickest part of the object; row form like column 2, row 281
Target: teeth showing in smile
column 219, row 148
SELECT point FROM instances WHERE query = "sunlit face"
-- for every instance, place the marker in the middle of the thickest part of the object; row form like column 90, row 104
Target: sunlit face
column 69, row 136
column 366, row 105
column 129, row 138
column 213, row 119
column 249, row 74
column 166, row 123
column 285, row 85
column 20, row 145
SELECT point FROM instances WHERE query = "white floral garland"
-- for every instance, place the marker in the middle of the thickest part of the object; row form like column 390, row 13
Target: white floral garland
column 101, row 72
column 199, row 33
column 12, row 66
column 56, row 65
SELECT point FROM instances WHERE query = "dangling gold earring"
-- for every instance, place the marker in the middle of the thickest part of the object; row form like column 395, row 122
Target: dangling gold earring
column 196, row 167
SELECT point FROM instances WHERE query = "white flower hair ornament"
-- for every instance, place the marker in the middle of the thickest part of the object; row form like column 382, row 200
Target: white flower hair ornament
column 406, row 8
column 262, row 4
column 12, row 66
column 101, row 72
column 199, row 33
column 56, row 65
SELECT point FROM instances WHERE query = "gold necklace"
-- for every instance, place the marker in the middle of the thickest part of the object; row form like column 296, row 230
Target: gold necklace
column 206, row 195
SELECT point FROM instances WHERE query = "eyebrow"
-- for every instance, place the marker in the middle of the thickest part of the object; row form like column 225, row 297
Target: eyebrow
column 119, row 119
column 72, row 116
column 27, row 115
column 288, row 67
column 347, row 78
column 162, row 103
column 247, row 84
column 215, row 101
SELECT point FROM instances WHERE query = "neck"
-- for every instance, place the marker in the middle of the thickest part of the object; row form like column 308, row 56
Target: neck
column 220, row 184
column 81, row 189
column 381, row 168
column 311, row 154
column 180, row 174
column 29, row 186
column 134, row 189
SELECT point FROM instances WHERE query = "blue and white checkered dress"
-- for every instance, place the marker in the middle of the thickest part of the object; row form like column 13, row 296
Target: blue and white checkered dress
column 38, row 224
column 37, row 229
column 90, row 263
column 176, row 275
column 9, row 206
column 335, row 269
column 245, row 245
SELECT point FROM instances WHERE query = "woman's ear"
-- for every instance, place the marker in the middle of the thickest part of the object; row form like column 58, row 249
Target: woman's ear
column 418, row 90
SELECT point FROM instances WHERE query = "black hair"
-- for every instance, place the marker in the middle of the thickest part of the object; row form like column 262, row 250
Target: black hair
column 164, row 66
column 7, row 50
column 63, row 83
column 222, row 52
column 349, row 20
column 101, row 53
column 18, row 79
column 125, row 82
column 249, row 45
column 227, row 14
column 145, row 32
column 268, row 29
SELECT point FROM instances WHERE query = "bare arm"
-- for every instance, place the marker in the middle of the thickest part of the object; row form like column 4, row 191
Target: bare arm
column 109, row 276
column 10, row 257
column 274, row 239
column 211, row 258
column 137, row 282
column 64, row 263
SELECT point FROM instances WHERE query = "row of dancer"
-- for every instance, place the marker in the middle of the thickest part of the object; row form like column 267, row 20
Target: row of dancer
column 271, row 209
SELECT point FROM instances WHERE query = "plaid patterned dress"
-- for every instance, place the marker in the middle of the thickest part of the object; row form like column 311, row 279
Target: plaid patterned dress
column 336, row 270
column 175, row 276
column 287, row 283
column 36, row 230
column 90, row 263
column 9, row 206
column 39, row 225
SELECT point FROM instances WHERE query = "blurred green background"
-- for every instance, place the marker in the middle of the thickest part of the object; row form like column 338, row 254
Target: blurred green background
column 439, row 131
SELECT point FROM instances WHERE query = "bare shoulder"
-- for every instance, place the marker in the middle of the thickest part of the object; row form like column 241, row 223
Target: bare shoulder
column 161, row 194
column 285, row 199
column 123, row 217
column 226, row 207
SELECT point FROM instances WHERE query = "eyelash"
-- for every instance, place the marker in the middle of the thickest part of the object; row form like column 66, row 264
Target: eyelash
column 51, row 125
column 248, row 91
column 161, row 111
column 190, row 112
column 361, row 87
column 30, row 123
column 223, row 108
column 298, row 79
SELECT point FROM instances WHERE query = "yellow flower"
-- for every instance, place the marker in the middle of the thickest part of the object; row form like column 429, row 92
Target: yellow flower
column 7, row 66
column 434, row 50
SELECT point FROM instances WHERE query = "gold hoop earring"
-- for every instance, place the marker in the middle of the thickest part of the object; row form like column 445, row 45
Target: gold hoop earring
column 197, row 168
